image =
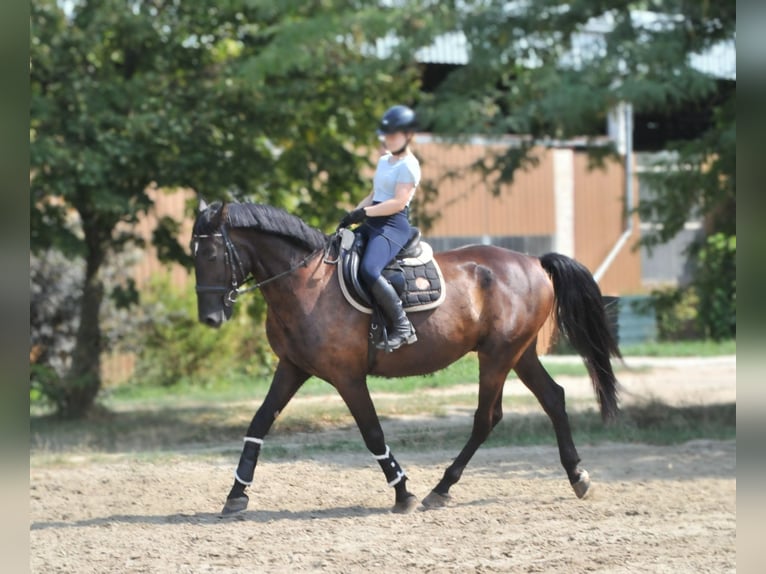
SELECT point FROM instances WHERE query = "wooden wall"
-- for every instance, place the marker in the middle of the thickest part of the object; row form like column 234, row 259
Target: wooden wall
column 599, row 223
column 527, row 207
column 466, row 204
column 166, row 204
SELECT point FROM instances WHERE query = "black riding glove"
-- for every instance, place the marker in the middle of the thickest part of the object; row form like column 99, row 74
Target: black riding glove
column 356, row 216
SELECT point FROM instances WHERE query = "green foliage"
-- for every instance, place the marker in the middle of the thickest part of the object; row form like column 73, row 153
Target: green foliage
column 694, row 179
column 707, row 307
column 523, row 78
column 676, row 312
column 44, row 384
column 174, row 348
column 716, row 281
column 55, row 306
column 320, row 92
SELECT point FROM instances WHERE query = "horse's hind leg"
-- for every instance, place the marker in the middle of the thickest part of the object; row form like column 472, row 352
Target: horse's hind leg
column 357, row 397
column 287, row 380
column 551, row 397
column 492, row 375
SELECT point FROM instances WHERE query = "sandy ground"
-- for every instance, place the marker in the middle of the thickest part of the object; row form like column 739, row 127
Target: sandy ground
column 652, row 509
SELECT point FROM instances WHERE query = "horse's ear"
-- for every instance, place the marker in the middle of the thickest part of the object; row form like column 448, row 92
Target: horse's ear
column 202, row 205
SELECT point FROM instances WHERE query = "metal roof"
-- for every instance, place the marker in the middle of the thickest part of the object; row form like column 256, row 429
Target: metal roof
column 719, row 61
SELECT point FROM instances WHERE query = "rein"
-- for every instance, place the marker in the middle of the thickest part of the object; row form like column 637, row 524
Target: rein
column 231, row 257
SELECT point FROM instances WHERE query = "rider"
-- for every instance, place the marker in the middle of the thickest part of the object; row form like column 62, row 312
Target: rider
column 385, row 214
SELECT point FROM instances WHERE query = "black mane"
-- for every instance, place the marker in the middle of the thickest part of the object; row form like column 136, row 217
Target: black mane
column 265, row 218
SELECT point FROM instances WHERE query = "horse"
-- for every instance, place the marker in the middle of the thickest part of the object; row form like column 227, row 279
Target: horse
column 497, row 301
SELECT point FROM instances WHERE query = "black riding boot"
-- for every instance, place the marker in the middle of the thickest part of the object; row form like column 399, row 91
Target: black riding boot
column 401, row 332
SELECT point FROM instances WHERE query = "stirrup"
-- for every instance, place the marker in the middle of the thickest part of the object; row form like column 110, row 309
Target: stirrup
column 399, row 341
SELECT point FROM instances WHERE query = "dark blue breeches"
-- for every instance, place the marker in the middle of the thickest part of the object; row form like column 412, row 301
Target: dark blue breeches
column 385, row 238
column 378, row 253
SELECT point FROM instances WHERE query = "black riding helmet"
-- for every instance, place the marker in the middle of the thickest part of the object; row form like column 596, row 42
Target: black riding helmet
column 397, row 119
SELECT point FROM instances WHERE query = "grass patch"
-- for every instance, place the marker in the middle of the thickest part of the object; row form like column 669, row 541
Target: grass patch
column 236, row 387
column 682, row 349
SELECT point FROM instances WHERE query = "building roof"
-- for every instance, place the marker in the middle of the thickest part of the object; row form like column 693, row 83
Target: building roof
column 719, row 61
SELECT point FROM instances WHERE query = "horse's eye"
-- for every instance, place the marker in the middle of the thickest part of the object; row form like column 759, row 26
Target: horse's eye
column 204, row 252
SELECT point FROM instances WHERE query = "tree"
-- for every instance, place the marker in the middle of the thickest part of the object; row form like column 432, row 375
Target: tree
column 275, row 102
column 553, row 69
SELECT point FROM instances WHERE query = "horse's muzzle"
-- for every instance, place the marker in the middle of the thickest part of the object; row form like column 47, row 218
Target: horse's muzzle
column 213, row 318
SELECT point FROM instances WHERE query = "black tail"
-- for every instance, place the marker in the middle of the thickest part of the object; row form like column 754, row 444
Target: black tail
column 581, row 318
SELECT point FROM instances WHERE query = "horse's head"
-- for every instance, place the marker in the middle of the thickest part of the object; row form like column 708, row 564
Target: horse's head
column 213, row 255
column 219, row 269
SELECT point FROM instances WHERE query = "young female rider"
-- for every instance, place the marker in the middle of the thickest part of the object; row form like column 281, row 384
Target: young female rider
column 385, row 214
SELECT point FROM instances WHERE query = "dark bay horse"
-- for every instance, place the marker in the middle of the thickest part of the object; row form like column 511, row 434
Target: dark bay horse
column 497, row 300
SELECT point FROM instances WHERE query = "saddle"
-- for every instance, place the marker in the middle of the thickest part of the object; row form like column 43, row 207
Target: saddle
column 414, row 274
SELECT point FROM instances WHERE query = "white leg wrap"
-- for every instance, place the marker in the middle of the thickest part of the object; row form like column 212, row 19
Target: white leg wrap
column 253, row 439
column 248, row 460
column 239, row 480
column 392, row 470
column 383, row 456
column 399, row 476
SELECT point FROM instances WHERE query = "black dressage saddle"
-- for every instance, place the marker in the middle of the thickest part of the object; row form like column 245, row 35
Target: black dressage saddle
column 414, row 273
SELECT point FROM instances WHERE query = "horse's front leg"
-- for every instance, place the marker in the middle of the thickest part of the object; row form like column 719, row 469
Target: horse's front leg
column 357, row 398
column 287, row 380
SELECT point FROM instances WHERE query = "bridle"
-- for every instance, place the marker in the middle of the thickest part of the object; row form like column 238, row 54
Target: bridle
column 231, row 258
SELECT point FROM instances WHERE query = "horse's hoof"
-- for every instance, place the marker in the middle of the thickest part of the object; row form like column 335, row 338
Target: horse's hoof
column 406, row 506
column 436, row 500
column 234, row 505
column 582, row 486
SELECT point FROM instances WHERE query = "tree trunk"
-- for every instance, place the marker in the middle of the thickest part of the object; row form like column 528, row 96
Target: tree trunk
column 83, row 382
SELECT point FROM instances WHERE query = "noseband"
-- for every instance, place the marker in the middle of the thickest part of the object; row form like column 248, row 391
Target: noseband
column 231, row 257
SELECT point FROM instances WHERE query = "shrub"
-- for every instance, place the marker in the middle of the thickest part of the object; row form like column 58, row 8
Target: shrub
column 55, row 284
column 55, row 287
column 173, row 347
column 706, row 308
column 676, row 313
column 716, row 282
